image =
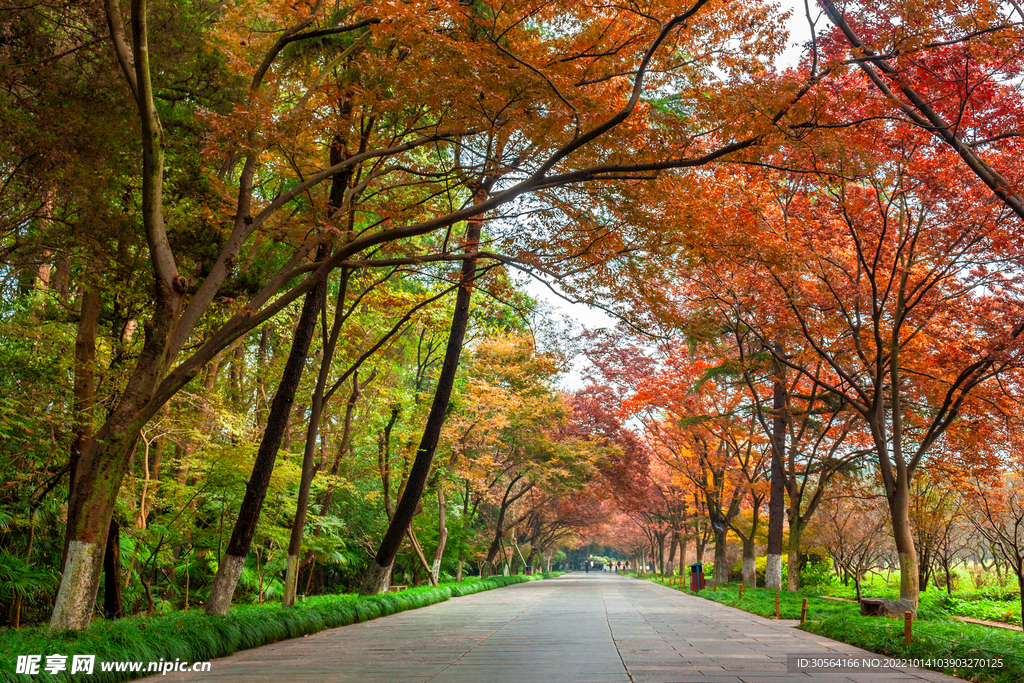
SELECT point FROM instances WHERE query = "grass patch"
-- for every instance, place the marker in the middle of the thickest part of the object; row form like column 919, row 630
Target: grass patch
column 193, row 636
column 937, row 633
column 993, row 603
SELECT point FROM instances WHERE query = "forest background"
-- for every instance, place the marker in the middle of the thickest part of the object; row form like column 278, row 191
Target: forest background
column 262, row 335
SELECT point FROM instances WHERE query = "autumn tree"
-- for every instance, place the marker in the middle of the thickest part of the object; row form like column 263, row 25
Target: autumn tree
column 266, row 176
column 954, row 80
column 871, row 276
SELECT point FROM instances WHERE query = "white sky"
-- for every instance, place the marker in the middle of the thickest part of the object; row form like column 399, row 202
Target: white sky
column 580, row 316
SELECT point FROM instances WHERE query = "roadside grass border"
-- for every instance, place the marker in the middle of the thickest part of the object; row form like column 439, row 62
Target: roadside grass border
column 193, row 636
column 936, row 633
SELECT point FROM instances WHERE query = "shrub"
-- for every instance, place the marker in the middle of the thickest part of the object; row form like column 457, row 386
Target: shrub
column 817, row 574
column 193, row 636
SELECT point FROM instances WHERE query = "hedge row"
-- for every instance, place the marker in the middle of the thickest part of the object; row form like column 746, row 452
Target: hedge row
column 195, row 637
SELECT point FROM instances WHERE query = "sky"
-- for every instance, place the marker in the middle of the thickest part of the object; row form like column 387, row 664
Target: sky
column 577, row 317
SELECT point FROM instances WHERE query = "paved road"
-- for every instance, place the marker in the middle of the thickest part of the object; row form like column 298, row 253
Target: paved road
column 579, row 628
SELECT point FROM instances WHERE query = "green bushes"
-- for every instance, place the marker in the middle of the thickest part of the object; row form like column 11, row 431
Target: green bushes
column 194, row 637
column 470, row 587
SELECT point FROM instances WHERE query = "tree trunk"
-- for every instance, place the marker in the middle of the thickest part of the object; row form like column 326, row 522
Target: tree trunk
column 113, row 605
column 98, row 475
column 1020, row 584
column 749, row 563
column 309, row 453
column 899, row 509
column 492, row 552
column 442, row 532
column 418, row 549
column 793, row 561
column 378, row 572
column 223, row 587
column 661, row 554
column 777, row 492
column 672, row 553
column 721, row 564
column 103, row 460
column 684, row 540
column 84, row 386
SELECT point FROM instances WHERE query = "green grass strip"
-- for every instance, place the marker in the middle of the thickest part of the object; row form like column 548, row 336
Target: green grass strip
column 936, row 633
column 195, row 637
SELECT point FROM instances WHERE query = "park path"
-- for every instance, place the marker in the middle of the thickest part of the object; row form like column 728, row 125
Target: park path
column 579, row 628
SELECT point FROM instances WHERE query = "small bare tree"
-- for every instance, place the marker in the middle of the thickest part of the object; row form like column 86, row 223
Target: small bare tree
column 996, row 509
column 854, row 532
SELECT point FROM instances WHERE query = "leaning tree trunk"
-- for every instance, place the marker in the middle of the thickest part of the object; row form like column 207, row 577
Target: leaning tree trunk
column 100, row 465
column 777, row 492
column 379, row 571
column 309, row 452
column 103, row 459
column 336, row 198
column 418, row 550
column 223, row 587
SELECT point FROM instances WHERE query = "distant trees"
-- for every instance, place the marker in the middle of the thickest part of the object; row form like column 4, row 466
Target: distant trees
column 994, row 504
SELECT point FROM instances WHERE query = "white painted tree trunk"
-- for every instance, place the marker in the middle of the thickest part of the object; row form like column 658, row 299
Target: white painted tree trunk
column 750, row 571
column 773, row 572
column 76, row 598
column 291, row 581
column 223, row 587
column 377, row 579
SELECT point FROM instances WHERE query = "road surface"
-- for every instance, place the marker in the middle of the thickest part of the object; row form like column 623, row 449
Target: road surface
column 579, row 628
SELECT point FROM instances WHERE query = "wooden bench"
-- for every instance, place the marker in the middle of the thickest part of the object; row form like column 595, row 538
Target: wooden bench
column 395, row 589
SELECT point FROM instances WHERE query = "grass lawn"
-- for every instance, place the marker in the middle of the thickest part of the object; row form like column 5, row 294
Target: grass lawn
column 937, row 632
column 195, row 637
column 992, row 603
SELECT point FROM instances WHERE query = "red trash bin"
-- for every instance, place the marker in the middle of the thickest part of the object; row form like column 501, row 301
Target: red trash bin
column 696, row 576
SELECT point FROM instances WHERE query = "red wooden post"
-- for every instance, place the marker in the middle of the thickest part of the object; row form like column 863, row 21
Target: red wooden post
column 741, row 591
column 803, row 611
column 777, row 595
column 908, row 620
